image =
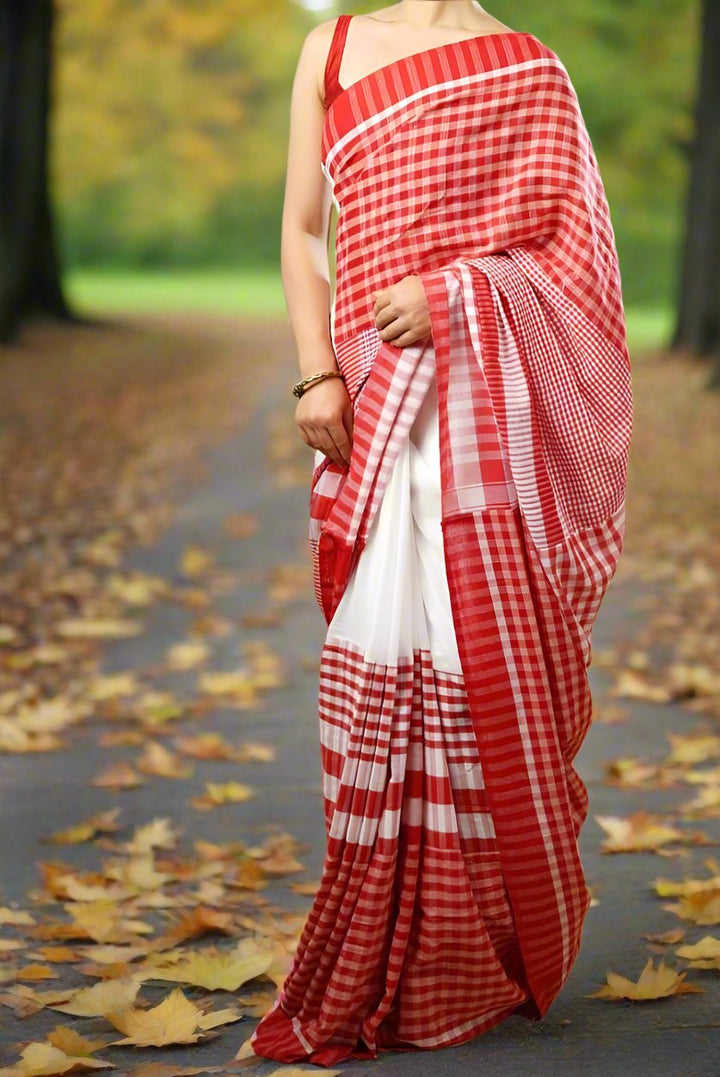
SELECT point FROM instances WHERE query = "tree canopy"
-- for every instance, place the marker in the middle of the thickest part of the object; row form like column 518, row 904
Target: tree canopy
column 172, row 122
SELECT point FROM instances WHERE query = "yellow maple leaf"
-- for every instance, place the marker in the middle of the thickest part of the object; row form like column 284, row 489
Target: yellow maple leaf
column 258, row 1003
column 640, row 831
column 174, row 1020
column 139, row 872
column 629, row 684
column 15, row 916
column 51, row 715
column 161, row 762
column 708, row 948
column 208, row 746
column 700, row 908
column 101, row 999
column 14, row 739
column 112, row 686
column 693, row 748
column 157, row 834
column 36, row 972
column 100, row 920
column 136, row 590
column 653, row 983
column 239, row 686
column 72, row 1043
column 44, row 1059
column 218, row 793
column 673, row 888
column 103, row 822
column 225, row 970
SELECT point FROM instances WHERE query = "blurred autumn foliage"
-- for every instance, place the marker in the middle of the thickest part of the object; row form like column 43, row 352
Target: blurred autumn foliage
column 171, row 126
column 172, row 117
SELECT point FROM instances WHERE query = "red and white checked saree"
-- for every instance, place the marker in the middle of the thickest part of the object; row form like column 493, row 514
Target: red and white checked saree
column 452, row 893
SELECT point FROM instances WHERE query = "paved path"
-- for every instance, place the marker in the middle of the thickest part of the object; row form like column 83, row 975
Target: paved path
column 678, row 1037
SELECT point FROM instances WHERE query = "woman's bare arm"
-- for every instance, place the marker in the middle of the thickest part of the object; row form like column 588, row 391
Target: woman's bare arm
column 324, row 412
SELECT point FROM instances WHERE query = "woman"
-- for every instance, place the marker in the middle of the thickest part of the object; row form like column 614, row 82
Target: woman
column 471, row 419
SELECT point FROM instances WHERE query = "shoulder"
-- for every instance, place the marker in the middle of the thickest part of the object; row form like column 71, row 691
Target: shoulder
column 318, row 39
column 315, row 51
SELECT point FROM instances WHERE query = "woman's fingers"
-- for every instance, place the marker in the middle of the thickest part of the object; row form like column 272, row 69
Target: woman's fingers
column 321, row 439
column 349, row 421
column 385, row 317
column 340, row 441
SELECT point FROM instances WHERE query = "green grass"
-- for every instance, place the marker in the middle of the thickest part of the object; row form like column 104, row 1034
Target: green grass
column 649, row 327
column 214, row 291
column 256, row 292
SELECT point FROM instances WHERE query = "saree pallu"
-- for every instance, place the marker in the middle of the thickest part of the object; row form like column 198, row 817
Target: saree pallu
column 461, row 558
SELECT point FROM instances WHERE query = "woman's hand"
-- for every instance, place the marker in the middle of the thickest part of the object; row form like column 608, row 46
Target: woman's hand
column 401, row 312
column 324, row 416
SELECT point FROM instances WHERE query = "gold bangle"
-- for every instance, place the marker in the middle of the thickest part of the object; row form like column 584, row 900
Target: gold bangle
column 300, row 386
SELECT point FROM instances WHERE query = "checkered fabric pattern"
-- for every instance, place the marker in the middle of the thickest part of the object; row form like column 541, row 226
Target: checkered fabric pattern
column 452, row 893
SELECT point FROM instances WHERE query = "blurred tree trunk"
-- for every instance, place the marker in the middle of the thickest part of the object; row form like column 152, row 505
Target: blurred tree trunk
column 29, row 271
column 698, row 320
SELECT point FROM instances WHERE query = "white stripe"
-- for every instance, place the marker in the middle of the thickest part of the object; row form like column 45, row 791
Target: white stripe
column 466, row 80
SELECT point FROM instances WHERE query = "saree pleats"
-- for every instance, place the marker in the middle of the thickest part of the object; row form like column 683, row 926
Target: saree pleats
column 411, row 940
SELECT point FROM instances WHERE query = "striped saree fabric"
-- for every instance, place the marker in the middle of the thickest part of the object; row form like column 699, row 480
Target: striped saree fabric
column 452, row 893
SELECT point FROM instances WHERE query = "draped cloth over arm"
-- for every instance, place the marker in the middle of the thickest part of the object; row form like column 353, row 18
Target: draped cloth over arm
column 470, row 166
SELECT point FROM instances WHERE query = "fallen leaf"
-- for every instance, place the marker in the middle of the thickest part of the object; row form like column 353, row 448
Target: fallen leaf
column 653, row 983
column 72, row 1043
column 630, row 685
column 702, row 908
column 101, row 999
column 162, row 763
column 188, row 655
column 258, row 1003
column 112, row 686
column 157, row 834
column 227, row 793
column 118, row 775
column 240, row 686
column 694, row 748
column 15, row 916
column 104, row 822
column 43, row 1060
column 225, row 970
column 36, row 972
column 638, row 832
column 175, row 1020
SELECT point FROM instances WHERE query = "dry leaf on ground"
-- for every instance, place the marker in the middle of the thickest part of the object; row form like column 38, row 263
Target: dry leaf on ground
column 701, row 908
column 653, row 983
column 638, row 832
column 43, row 1060
column 101, row 999
column 224, row 970
column 175, row 1020
column 217, row 793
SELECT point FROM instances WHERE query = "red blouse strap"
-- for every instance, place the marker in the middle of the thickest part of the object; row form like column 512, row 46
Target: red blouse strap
column 332, row 67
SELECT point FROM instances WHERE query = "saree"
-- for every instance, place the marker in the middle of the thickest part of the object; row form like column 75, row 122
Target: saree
column 461, row 557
